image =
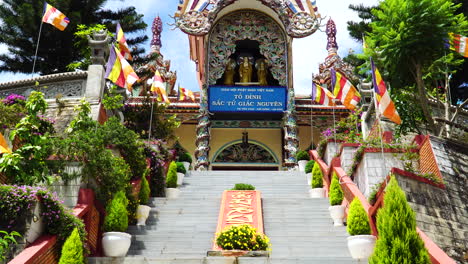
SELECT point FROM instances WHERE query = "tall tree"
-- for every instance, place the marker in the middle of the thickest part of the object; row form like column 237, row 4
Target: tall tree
column 410, row 36
column 19, row 28
column 357, row 30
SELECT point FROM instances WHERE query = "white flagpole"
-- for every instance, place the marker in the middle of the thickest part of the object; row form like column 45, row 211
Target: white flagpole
column 151, row 119
column 37, row 48
column 311, row 116
column 378, row 116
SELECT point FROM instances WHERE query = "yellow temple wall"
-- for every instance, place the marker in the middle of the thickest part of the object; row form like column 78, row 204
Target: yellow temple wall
column 305, row 136
column 187, row 135
column 271, row 138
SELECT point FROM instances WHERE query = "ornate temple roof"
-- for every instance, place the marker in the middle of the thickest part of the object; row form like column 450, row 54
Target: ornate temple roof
column 299, row 17
column 333, row 60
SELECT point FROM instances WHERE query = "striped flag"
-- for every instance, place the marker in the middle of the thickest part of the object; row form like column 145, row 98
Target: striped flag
column 321, row 95
column 54, row 17
column 384, row 102
column 3, row 145
column 459, row 44
column 123, row 47
column 185, row 94
column 119, row 71
column 344, row 90
column 159, row 87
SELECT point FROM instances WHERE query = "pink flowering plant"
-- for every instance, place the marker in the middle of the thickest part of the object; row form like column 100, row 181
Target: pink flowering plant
column 16, row 203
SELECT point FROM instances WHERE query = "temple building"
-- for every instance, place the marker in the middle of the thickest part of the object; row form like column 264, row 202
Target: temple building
column 247, row 115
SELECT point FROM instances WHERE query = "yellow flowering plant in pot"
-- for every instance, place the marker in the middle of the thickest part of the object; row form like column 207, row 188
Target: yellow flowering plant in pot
column 242, row 238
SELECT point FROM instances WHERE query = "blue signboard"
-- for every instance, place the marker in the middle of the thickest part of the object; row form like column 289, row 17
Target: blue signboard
column 258, row 99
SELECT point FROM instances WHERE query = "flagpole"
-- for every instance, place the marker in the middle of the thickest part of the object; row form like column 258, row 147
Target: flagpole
column 37, row 47
column 151, row 119
column 378, row 116
column 311, row 116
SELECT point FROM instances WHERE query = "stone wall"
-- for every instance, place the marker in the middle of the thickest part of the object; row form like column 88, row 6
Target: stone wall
column 330, row 151
column 372, row 170
column 347, row 155
column 443, row 214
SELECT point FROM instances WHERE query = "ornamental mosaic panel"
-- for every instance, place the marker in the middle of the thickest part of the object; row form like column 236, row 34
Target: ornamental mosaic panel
column 50, row 91
column 247, row 25
column 250, row 153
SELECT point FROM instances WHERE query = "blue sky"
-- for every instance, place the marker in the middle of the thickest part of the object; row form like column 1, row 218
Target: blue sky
column 307, row 52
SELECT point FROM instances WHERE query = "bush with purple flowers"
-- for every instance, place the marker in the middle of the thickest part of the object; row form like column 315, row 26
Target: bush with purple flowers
column 14, row 99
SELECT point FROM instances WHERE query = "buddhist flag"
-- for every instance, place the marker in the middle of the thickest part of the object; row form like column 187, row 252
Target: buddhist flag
column 185, row 94
column 119, row 71
column 459, row 44
column 158, row 86
column 344, row 90
column 123, row 47
column 3, row 145
column 384, row 102
column 54, row 17
column 322, row 95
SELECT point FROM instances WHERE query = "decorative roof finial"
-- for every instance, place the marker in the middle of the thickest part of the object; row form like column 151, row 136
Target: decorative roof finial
column 331, row 35
column 157, row 29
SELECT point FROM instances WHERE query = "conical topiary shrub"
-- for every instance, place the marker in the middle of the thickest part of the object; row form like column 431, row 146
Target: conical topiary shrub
column 317, row 176
column 398, row 240
column 144, row 191
column 336, row 194
column 309, row 166
column 358, row 222
column 116, row 219
column 171, row 179
column 72, row 250
column 302, row 155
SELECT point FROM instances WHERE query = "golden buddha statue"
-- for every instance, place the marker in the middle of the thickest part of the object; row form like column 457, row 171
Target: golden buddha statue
column 245, row 70
column 261, row 67
column 229, row 72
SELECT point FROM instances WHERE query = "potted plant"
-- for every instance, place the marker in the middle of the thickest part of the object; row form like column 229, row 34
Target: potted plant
column 186, row 159
column 336, row 198
column 143, row 209
column 239, row 240
column 302, row 158
column 115, row 242
column 243, row 187
column 361, row 243
column 72, row 250
column 317, row 190
column 308, row 171
column 180, row 172
column 171, row 182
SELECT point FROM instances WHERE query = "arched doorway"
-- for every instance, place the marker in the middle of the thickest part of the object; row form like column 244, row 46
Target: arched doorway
column 238, row 155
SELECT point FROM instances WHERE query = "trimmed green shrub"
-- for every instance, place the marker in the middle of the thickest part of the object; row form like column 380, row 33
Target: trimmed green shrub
column 242, row 237
column 398, row 240
column 302, row 155
column 336, row 194
column 144, row 191
column 171, row 179
column 243, row 187
column 117, row 214
column 309, row 165
column 72, row 250
column 317, row 176
column 180, row 167
column 358, row 222
column 185, row 157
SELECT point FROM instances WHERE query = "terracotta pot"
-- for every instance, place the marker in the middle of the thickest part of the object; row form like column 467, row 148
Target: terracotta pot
column 116, row 244
column 361, row 246
column 317, row 193
column 142, row 214
column 172, row 193
column 337, row 214
column 302, row 164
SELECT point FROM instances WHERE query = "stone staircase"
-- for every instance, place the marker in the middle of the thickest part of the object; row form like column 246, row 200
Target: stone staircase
column 182, row 230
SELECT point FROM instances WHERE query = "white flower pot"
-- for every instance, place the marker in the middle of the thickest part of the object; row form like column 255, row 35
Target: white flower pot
column 116, row 244
column 172, row 193
column 317, row 193
column 337, row 214
column 180, row 178
column 302, row 164
column 68, row 192
column 309, row 179
column 35, row 228
column 361, row 246
column 186, row 165
column 142, row 214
